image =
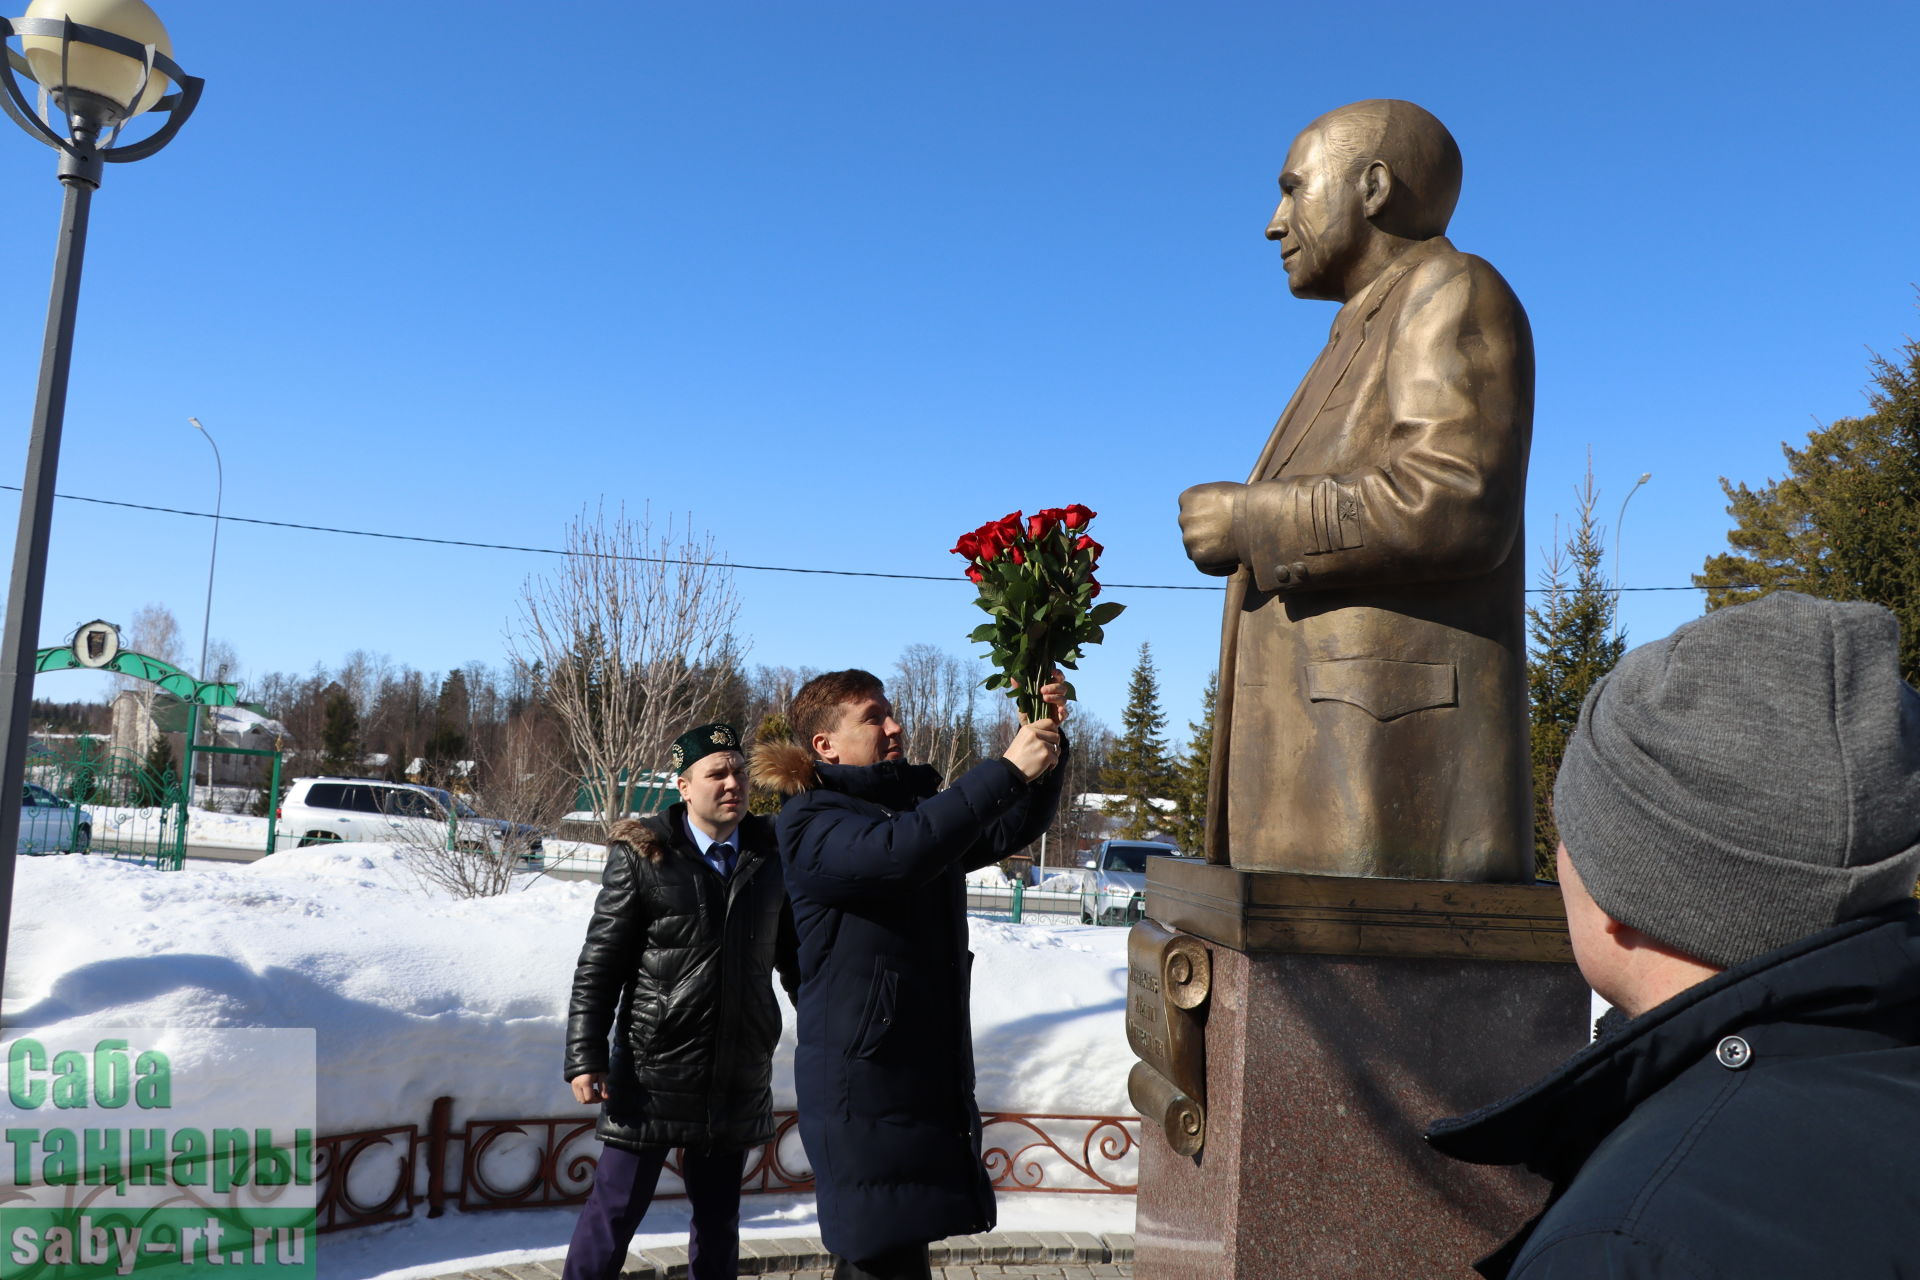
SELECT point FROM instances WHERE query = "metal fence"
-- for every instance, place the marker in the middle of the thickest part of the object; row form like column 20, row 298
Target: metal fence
column 1016, row 902
column 384, row 1175
column 91, row 797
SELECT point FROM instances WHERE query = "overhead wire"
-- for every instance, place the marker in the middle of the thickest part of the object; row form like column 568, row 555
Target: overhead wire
column 731, row 564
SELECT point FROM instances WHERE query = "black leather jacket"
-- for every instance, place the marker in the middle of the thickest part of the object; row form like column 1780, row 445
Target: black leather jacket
column 677, row 965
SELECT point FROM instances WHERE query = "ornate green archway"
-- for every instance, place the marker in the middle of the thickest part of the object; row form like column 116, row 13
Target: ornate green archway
column 118, row 804
column 207, row 693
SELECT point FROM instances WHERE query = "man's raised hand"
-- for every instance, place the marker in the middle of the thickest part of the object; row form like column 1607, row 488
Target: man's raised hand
column 1055, row 694
column 1035, row 749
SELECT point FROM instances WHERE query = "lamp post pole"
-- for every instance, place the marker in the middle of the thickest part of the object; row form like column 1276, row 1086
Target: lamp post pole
column 1619, row 523
column 99, row 79
column 213, row 558
column 22, row 635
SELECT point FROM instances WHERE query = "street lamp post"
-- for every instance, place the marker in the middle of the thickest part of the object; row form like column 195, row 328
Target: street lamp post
column 206, row 619
column 1618, row 524
column 100, row 63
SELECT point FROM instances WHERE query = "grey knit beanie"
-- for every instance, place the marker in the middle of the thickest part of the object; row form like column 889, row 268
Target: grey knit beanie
column 1748, row 780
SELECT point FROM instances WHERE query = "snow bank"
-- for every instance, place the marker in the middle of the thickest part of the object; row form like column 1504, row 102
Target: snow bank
column 414, row 993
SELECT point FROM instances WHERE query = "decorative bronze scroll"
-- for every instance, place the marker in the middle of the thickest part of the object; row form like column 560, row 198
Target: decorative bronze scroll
column 1169, row 977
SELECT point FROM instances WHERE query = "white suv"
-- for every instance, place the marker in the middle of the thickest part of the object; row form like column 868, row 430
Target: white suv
column 323, row 810
column 1115, row 887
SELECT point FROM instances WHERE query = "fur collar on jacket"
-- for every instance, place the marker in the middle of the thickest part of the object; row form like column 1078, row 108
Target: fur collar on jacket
column 639, row 835
column 650, row 837
column 790, row 768
column 786, row 767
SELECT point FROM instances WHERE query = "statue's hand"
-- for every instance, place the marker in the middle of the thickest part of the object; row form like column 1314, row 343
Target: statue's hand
column 1206, row 526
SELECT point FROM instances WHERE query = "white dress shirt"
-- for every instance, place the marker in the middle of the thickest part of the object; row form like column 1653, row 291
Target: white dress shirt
column 718, row 853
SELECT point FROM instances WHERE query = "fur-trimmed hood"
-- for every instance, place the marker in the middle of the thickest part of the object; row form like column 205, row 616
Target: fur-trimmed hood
column 790, row 769
column 638, row 835
column 786, row 767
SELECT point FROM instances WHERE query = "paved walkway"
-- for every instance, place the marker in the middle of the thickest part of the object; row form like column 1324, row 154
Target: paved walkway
column 1004, row 1255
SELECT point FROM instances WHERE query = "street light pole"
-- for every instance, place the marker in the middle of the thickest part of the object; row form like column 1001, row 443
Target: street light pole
column 1619, row 523
column 98, row 78
column 206, row 619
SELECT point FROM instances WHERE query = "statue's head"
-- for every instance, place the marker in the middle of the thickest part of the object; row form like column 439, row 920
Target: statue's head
column 1358, row 180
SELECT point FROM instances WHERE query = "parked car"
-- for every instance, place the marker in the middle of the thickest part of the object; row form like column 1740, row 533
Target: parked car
column 49, row 824
column 326, row 809
column 1114, row 890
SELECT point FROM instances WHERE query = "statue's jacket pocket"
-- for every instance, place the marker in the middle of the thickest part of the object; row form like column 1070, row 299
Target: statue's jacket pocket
column 1384, row 688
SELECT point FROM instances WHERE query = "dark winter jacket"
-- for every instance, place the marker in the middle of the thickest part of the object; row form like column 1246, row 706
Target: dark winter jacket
column 875, row 860
column 677, row 963
column 1764, row 1123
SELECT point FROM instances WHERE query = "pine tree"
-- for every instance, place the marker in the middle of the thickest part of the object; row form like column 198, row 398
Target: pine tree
column 155, row 778
column 1192, row 773
column 1139, row 768
column 339, row 733
column 1573, row 645
column 452, row 716
column 1844, row 523
column 265, row 800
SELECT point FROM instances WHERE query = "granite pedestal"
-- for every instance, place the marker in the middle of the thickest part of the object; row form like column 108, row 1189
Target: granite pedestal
column 1347, row 1014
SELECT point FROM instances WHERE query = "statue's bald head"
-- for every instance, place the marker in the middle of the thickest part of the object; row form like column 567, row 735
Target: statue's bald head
column 1416, row 148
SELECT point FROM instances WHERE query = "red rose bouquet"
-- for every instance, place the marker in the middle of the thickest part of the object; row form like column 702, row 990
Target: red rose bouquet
column 1035, row 575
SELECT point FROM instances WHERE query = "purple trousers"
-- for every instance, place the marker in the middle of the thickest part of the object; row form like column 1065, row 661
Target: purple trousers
column 623, row 1188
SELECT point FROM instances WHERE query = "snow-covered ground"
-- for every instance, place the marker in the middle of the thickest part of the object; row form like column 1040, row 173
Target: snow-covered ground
column 204, row 826
column 415, row 994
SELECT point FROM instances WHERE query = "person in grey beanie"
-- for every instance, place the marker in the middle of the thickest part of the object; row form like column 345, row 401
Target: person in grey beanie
column 1739, row 811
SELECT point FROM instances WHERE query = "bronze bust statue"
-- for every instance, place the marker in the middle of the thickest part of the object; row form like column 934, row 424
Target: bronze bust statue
column 1372, row 713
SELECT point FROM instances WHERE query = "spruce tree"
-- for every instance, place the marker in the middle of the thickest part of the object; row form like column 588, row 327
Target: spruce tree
column 1192, row 773
column 1573, row 644
column 339, row 733
column 155, row 777
column 452, row 716
column 1139, row 768
column 1844, row 523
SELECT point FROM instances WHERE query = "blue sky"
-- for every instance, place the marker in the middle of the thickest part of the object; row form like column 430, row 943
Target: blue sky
column 842, row 280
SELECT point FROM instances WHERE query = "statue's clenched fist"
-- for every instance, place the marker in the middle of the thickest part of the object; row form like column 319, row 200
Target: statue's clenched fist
column 1206, row 526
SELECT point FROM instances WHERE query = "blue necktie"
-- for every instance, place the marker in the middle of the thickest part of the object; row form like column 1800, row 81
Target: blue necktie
column 726, row 852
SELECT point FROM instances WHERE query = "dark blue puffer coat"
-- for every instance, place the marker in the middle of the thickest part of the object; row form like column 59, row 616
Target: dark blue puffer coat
column 875, row 859
column 1761, row 1125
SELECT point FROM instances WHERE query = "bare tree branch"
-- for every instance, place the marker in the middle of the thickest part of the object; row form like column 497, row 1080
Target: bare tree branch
column 632, row 637
column 935, row 697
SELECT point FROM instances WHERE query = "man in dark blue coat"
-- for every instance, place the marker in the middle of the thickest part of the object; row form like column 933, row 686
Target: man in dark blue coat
column 1739, row 810
column 875, row 855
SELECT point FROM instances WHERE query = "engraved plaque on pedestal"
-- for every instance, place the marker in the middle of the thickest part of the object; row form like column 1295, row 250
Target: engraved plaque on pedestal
column 1168, row 978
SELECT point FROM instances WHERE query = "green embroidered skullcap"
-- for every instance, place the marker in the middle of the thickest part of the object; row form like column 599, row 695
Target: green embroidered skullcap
column 703, row 741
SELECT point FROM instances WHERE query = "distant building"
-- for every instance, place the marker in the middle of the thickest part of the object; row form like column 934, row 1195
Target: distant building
column 244, row 726
column 134, row 727
column 454, row 775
